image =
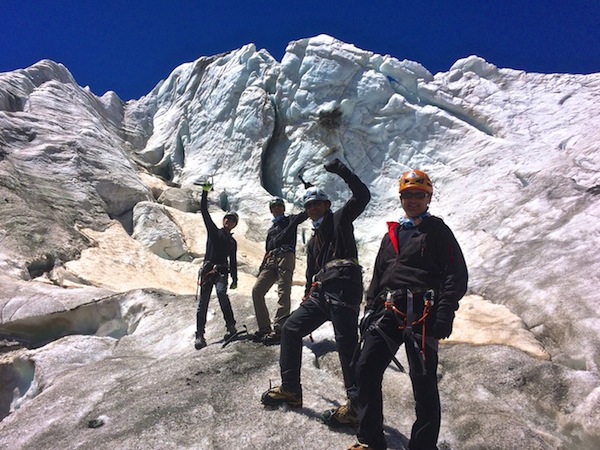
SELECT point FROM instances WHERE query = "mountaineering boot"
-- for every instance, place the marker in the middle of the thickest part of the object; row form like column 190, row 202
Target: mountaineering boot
column 230, row 332
column 344, row 416
column 272, row 338
column 200, row 342
column 278, row 396
column 260, row 335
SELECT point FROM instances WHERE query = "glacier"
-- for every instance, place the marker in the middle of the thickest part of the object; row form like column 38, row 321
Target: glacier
column 100, row 244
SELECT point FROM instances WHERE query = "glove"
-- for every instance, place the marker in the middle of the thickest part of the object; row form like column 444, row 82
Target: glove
column 206, row 186
column 442, row 327
column 335, row 166
column 233, row 285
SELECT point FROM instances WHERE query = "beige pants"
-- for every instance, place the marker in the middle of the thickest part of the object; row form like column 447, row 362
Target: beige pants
column 280, row 271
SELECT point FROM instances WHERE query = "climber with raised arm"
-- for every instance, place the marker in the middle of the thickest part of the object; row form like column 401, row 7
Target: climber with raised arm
column 220, row 260
column 333, row 292
column 277, row 266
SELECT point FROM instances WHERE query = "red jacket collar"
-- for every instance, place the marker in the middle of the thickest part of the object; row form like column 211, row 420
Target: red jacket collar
column 392, row 234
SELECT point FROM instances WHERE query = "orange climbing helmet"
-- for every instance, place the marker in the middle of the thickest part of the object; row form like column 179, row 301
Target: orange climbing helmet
column 415, row 179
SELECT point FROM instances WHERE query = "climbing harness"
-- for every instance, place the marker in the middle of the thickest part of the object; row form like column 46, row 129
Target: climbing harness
column 268, row 261
column 271, row 257
column 392, row 346
column 314, row 287
column 313, row 294
column 405, row 321
column 211, row 275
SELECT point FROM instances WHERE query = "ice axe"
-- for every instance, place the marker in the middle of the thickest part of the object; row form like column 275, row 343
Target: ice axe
column 203, row 181
column 306, row 184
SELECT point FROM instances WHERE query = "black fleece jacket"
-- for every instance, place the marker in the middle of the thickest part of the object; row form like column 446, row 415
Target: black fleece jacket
column 428, row 257
column 220, row 245
column 334, row 239
column 284, row 231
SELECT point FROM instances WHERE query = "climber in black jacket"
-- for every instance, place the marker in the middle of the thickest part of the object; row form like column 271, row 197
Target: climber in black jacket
column 418, row 279
column 333, row 292
column 219, row 261
column 277, row 266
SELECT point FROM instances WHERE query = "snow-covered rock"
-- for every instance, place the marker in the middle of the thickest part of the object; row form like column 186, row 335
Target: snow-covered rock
column 154, row 228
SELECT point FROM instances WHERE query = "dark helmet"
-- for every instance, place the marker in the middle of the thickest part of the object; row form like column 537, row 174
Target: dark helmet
column 232, row 215
column 276, row 201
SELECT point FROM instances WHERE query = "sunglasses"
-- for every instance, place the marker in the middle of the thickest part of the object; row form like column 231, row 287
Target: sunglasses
column 420, row 195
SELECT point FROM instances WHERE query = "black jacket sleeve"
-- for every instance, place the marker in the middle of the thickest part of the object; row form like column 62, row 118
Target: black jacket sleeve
column 287, row 235
column 211, row 227
column 360, row 195
column 455, row 275
column 233, row 262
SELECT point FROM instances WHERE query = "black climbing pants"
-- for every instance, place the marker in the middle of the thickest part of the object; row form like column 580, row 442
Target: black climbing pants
column 220, row 284
column 372, row 363
column 339, row 302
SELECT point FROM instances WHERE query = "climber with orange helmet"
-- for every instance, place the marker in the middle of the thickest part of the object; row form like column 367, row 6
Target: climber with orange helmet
column 419, row 276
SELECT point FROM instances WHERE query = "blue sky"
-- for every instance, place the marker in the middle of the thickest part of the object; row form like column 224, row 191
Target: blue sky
column 129, row 46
